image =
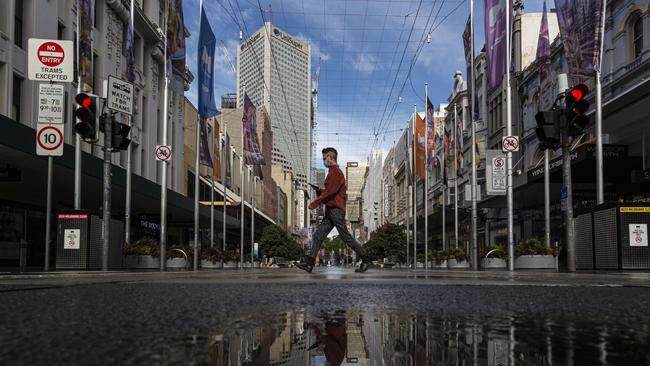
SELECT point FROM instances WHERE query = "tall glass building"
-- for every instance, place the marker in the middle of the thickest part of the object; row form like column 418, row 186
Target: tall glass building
column 274, row 69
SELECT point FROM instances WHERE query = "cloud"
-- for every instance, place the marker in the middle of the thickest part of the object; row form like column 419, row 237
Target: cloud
column 365, row 63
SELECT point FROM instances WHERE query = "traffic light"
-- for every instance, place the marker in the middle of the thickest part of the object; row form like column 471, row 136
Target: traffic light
column 120, row 133
column 548, row 128
column 86, row 126
column 576, row 107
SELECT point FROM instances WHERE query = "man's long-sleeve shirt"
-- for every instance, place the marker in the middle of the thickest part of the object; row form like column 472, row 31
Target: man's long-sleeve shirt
column 335, row 192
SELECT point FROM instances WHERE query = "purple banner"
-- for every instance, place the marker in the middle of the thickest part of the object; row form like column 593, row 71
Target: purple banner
column 205, row 158
column 543, row 48
column 581, row 26
column 86, row 25
column 252, row 151
column 175, row 44
column 495, row 40
column 227, row 161
column 128, row 49
column 431, row 135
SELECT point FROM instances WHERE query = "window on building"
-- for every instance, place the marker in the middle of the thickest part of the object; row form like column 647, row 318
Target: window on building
column 60, row 31
column 16, row 96
column 637, row 34
column 18, row 24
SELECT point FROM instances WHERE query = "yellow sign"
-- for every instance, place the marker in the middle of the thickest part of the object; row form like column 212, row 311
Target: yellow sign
column 634, row 209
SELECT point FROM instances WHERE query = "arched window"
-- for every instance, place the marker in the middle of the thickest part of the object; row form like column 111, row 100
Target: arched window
column 637, row 37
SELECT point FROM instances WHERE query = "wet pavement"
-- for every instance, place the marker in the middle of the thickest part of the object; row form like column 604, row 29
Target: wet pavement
column 285, row 317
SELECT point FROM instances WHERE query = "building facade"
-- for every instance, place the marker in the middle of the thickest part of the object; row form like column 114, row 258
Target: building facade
column 372, row 192
column 274, row 69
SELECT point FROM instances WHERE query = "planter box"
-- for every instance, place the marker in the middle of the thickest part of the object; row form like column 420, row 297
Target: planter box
column 494, row 263
column 440, row 265
column 535, row 262
column 455, row 264
column 210, row 264
column 141, row 262
column 176, row 263
column 231, row 264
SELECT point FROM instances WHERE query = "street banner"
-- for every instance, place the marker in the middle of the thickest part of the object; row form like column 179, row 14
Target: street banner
column 447, row 152
column 467, row 44
column 129, row 51
column 495, row 39
column 431, row 135
column 419, row 146
column 216, row 138
column 581, row 27
column 86, row 25
column 543, row 48
column 207, row 44
column 175, row 44
column 252, row 152
column 459, row 149
column 204, row 148
column 227, row 156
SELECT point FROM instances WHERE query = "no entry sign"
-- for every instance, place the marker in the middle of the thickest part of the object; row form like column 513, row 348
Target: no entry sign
column 49, row 139
column 50, row 60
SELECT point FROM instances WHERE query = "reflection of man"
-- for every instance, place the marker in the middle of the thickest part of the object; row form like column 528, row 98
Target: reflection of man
column 335, row 341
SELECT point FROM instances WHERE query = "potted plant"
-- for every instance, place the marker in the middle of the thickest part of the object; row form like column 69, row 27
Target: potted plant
column 457, row 258
column 179, row 258
column 143, row 254
column 534, row 254
column 230, row 259
column 494, row 257
column 211, row 258
column 440, row 259
column 419, row 261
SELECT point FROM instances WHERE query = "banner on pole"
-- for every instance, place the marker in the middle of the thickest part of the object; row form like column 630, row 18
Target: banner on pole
column 431, row 135
column 207, row 44
column 419, row 146
column 175, row 44
column 581, row 28
column 86, row 25
column 495, row 39
column 252, row 151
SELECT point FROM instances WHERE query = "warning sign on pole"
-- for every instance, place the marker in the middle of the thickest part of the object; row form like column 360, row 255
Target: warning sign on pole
column 510, row 143
column 50, row 103
column 49, row 139
column 163, row 152
column 50, row 60
column 71, row 239
column 495, row 173
column 120, row 96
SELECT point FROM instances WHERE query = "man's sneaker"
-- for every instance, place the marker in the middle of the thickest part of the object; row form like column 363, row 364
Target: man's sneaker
column 307, row 264
column 364, row 266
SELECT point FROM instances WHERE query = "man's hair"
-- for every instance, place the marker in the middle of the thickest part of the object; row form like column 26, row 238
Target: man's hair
column 331, row 150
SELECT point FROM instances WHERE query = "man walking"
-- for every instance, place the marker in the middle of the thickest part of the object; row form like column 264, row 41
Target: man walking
column 333, row 197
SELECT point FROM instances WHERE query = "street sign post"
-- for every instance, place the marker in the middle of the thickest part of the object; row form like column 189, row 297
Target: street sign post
column 50, row 60
column 120, row 96
column 50, row 103
column 163, row 152
column 510, row 143
column 49, row 139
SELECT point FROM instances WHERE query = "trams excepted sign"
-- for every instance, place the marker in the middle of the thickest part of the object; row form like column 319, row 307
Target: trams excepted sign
column 120, row 95
column 49, row 139
column 50, row 60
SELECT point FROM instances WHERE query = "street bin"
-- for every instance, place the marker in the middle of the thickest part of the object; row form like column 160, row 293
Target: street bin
column 79, row 241
column 613, row 237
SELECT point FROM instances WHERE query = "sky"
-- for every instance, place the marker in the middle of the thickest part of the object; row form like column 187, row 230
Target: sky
column 372, row 52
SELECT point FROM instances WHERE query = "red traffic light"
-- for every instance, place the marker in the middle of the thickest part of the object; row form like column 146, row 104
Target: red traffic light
column 579, row 91
column 84, row 100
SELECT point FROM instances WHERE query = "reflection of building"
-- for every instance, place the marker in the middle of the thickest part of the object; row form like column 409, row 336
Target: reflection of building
column 274, row 69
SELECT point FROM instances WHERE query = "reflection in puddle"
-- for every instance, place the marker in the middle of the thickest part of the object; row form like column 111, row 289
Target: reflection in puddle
column 384, row 337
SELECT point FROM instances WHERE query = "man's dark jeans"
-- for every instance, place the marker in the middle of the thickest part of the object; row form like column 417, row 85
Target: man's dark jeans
column 335, row 217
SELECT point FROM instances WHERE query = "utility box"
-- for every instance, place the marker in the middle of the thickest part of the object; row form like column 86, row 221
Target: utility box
column 613, row 237
column 79, row 241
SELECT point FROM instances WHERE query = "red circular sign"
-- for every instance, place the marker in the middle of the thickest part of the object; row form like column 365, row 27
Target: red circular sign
column 50, row 54
column 46, row 143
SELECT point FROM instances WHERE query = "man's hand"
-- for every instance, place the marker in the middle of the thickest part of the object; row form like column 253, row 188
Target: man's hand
column 313, row 206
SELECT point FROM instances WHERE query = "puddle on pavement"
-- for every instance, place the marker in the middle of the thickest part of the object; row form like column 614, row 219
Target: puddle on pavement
column 387, row 337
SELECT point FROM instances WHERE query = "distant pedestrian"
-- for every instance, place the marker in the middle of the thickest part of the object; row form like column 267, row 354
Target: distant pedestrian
column 333, row 197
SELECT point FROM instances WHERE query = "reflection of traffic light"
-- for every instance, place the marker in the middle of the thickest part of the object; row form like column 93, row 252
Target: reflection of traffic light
column 120, row 133
column 576, row 107
column 548, row 129
column 86, row 126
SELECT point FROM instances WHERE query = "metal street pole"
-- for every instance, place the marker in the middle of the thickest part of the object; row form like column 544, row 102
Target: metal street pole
column 456, row 177
column 107, row 120
column 600, row 190
column 568, row 213
column 197, row 180
column 547, row 200
column 77, row 143
column 241, row 194
column 252, row 217
column 511, row 237
column 163, row 178
column 426, row 176
column 212, row 188
column 223, row 152
column 414, row 189
column 474, row 251
column 127, row 205
column 48, row 214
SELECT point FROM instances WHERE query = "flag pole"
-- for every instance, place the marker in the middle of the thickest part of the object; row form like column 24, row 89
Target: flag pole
column 444, row 189
column 163, row 183
column 455, row 178
column 241, row 191
column 225, row 190
column 212, row 191
column 426, row 175
column 474, row 251
column 511, row 238
column 414, row 187
column 129, row 156
column 252, row 179
column 600, row 184
column 77, row 144
column 197, row 176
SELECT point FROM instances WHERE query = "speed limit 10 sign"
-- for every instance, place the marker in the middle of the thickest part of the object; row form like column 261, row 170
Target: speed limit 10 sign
column 49, row 139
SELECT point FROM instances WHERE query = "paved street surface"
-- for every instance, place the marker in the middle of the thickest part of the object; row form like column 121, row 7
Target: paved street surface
column 286, row 317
